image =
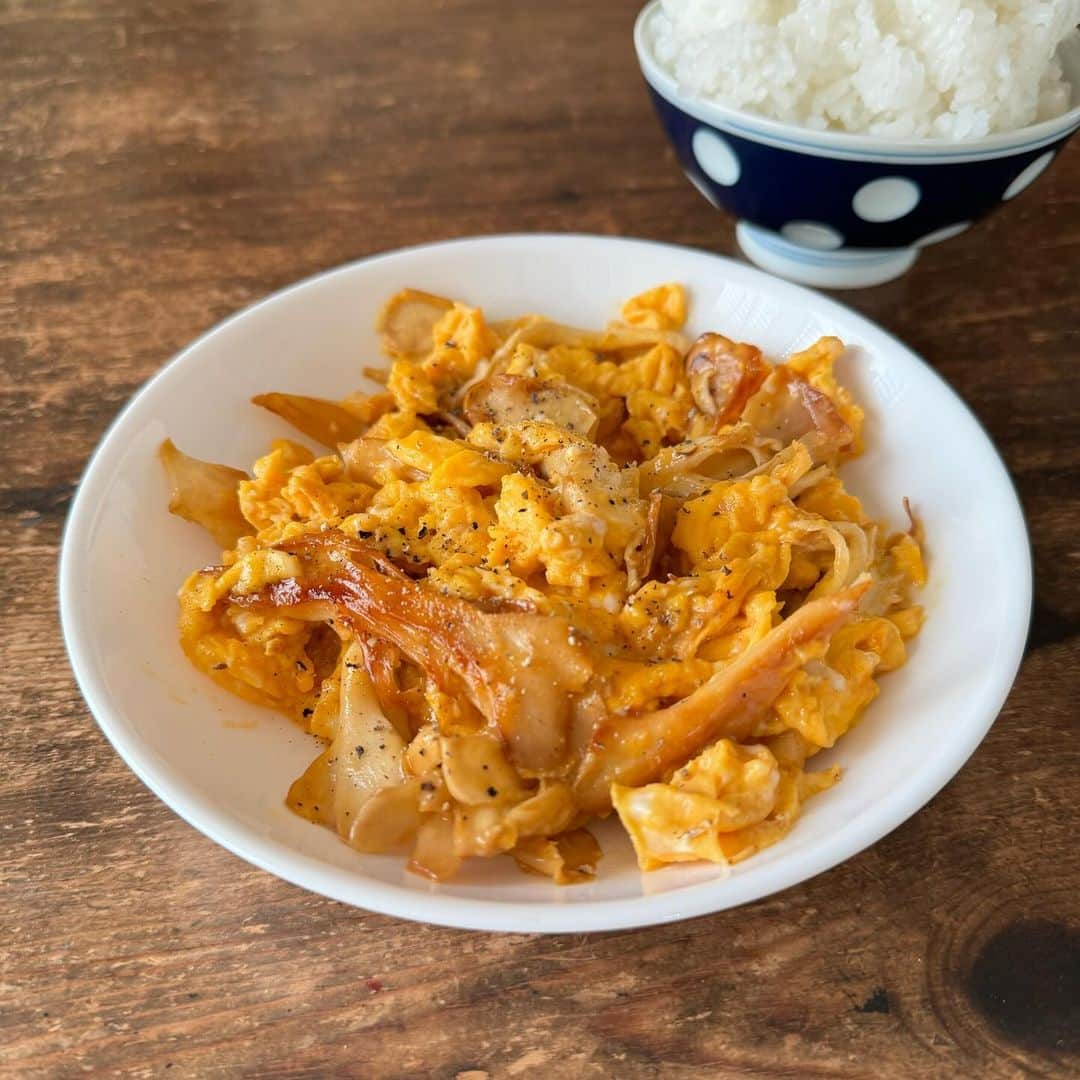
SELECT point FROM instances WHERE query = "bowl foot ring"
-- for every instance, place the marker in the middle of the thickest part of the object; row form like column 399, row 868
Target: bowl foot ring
column 841, row 268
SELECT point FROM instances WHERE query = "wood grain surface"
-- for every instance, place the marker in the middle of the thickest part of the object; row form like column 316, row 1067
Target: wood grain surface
column 163, row 164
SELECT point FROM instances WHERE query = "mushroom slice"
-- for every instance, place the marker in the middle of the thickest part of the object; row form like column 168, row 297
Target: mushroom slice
column 363, row 761
column 369, row 460
column 326, row 422
column 787, row 408
column 690, row 468
column 206, row 494
column 641, row 556
column 504, row 399
column 724, row 375
column 407, row 320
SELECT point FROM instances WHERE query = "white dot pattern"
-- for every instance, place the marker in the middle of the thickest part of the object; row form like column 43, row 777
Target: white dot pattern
column 813, row 234
column 887, row 199
column 1029, row 175
column 717, row 159
column 946, row 233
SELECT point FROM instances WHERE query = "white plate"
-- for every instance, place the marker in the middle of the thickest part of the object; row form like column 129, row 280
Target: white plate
column 224, row 765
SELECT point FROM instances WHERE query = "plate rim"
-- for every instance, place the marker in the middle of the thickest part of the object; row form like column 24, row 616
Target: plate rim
column 349, row 887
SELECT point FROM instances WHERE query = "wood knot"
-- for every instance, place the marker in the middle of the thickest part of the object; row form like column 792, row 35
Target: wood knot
column 1026, row 981
column 877, row 1002
column 1003, row 976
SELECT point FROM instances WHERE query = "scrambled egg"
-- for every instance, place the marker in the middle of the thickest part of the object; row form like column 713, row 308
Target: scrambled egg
column 673, row 502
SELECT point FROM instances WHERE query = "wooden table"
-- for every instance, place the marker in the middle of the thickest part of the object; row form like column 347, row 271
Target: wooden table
column 162, row 165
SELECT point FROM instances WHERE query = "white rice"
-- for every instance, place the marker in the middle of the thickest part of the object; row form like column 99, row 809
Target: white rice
column 951, row 69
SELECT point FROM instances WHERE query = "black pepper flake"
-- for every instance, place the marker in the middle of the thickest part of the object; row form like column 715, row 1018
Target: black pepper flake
column 220, row 667
column 301, row 666
column 364, row 534
column 492, row 792
column 725, row 570
column 351, row 666
column 476, row 524
column 729, row 594
column 422, row 532
column 382, row 746
column 359, row 751
column 401, row 530
column 309, row 712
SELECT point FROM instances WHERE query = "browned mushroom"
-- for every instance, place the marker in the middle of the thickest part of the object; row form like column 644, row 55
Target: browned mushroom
column 688, row 469
column 206, row 494
column 521, row 671
column 407, row 320
column 324, row 421
column 503, row 399
column 724, row 375
column 641, row 556
column 369, row 460
column 788, row 407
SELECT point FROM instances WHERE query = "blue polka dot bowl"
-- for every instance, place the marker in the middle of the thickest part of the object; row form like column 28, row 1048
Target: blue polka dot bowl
column 839, row 210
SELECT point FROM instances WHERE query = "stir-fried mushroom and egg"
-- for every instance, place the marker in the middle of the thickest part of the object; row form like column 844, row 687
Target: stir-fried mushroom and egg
column 546, row 573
